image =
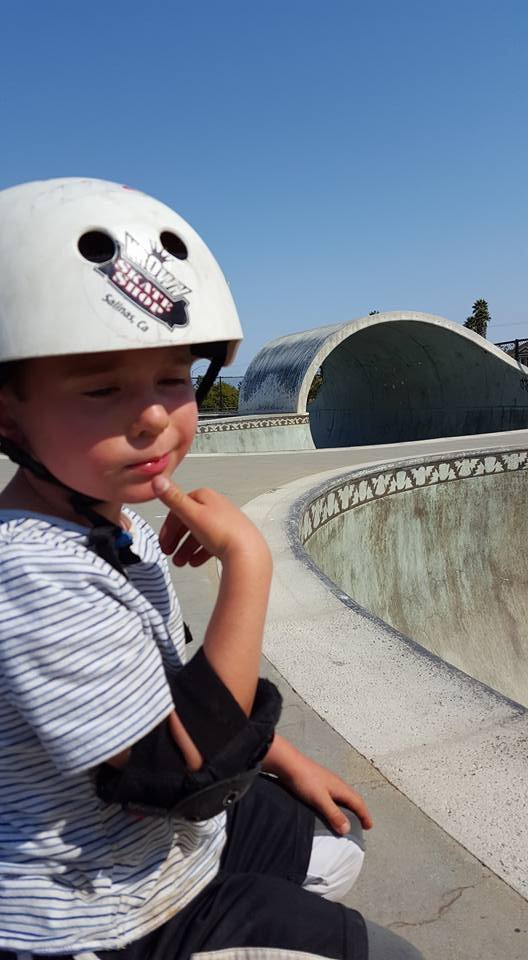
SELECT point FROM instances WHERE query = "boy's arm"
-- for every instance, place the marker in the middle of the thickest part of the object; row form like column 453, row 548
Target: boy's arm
column 315, row 785
column 200, row 525
column 204, row 524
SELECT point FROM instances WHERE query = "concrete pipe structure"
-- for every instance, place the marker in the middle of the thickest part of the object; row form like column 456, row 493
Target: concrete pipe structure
column 388, row 378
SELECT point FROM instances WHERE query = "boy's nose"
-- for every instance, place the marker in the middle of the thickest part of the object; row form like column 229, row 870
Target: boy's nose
column 151, row 421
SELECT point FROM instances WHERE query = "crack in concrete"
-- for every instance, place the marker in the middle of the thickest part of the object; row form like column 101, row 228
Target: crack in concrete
column 454, row 895
column 375, row 783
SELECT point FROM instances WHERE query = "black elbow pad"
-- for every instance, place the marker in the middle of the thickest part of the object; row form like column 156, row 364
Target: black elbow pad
column 156, row 781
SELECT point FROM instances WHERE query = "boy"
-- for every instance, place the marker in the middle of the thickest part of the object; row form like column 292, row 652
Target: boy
column 117, row 762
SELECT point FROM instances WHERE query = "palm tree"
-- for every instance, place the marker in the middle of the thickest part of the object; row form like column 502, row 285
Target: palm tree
column 479, row 319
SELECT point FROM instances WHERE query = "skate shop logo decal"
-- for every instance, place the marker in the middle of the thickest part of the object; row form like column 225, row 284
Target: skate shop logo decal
column 143, row 277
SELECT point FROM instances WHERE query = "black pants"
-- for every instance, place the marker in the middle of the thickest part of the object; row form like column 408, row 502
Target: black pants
column 256, row 900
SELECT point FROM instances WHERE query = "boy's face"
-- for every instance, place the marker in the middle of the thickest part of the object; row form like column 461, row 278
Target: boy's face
column 107, row 423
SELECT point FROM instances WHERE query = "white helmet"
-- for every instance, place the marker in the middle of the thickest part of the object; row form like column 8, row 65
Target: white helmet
column 89, row 266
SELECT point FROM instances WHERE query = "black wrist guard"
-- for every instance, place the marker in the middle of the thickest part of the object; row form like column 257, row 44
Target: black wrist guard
column 155, row 779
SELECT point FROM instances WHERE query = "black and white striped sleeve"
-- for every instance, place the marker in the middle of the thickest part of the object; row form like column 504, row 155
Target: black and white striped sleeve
column 78, row 664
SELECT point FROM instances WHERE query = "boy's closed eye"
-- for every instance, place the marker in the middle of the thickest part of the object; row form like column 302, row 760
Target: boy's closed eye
column 98, row 392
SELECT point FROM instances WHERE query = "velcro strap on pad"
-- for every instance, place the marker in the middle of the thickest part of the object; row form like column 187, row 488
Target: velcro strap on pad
column 209, row 801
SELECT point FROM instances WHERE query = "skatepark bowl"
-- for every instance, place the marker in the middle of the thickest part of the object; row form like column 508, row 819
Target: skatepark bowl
column 438, row 551
column 399, row 612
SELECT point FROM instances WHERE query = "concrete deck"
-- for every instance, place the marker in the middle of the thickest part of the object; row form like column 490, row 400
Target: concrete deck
column 417, row 879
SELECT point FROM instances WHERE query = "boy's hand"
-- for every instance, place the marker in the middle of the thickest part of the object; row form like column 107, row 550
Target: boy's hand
column 203, row 524
column 316, row 786
column 324, row 790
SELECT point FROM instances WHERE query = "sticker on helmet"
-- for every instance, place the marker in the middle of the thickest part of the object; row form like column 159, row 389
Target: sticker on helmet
column 143, row 277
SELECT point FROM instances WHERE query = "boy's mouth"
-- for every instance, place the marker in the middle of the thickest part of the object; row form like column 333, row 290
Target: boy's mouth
column 152, row 466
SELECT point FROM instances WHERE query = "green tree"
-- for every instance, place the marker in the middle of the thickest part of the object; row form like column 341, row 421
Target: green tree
column 479, row 319
column 222, row 396
column 316, row 385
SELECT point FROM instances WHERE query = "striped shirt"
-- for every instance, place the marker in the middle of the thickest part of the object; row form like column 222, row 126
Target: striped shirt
column 83, row 659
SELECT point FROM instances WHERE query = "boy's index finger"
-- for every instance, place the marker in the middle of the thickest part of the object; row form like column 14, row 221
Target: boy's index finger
column 171, row 495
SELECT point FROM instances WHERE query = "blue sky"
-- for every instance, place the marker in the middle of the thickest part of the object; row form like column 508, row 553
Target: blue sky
column 337, row 157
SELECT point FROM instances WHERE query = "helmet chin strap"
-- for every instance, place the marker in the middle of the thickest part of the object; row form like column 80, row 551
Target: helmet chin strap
column 108, row 540
column 216, row 353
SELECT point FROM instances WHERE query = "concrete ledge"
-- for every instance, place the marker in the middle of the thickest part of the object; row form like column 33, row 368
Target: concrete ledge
column 454, row 746
column 254, row 434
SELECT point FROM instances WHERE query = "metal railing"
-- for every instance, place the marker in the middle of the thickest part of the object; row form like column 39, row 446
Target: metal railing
column 518, row 349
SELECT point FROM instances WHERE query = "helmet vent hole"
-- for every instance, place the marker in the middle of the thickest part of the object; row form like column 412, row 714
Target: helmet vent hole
column 174, row 245
column 97, row 246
